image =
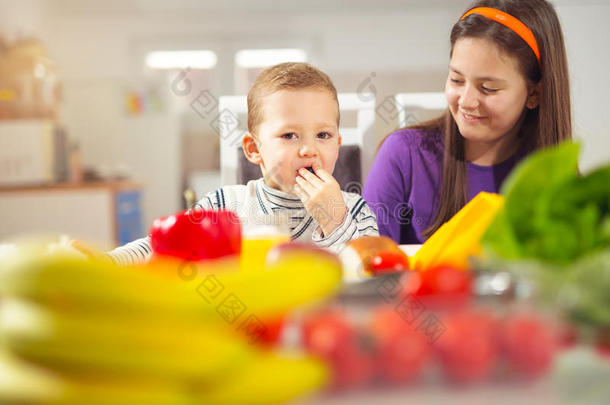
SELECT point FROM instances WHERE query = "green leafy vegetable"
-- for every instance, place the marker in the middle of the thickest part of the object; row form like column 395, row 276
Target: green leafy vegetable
column 554, row 230
column 551, row 212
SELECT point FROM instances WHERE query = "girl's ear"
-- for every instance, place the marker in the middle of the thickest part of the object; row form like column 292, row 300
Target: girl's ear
column 251, row 150
column 533, row 99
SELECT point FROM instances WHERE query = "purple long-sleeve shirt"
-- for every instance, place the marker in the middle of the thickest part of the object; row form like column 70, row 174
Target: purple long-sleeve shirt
column 403, row 186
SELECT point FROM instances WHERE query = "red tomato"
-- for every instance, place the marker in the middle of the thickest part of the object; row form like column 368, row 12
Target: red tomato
column 389, row 262
column 326, row 333
column 354, row 366
column 528, row 343
column 197, row 234
column 402, row 351
column 403, row 357
column 440, row 287
column 330, row 336
column 602, row 344
column 273, row 330
column 567, row 335
column 386, row 322
column 468, row 348
column 603, row 349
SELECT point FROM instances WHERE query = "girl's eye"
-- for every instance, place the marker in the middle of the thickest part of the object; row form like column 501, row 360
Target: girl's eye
column 288, row 136
column 488, row 90
column 324, row 135
column 457, row 81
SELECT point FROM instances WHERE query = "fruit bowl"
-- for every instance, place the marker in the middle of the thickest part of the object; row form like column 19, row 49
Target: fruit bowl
column 381, row 335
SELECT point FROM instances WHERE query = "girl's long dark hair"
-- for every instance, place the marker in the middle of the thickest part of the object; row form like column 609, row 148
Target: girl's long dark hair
column 543, row 126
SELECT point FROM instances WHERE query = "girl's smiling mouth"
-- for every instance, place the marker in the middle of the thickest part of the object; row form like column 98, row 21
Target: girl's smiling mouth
column 470, row 117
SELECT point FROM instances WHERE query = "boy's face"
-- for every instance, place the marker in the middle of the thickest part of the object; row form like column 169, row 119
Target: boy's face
column 299, row 129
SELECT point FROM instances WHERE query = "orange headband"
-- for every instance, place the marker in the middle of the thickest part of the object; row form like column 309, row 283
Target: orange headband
column 509, row 21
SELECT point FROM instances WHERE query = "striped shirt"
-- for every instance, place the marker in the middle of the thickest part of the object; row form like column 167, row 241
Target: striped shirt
column 254, row 202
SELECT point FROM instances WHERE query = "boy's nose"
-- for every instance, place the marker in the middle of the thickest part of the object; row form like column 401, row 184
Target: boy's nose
column 469, row 99
column 307, row 150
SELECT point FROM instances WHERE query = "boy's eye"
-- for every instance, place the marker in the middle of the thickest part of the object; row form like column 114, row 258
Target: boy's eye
column 488, row 90
column 457, row 81
column 289, row 135
column 324, row 135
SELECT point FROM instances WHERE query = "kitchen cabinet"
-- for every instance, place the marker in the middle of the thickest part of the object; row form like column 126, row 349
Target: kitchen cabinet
column 105, row 213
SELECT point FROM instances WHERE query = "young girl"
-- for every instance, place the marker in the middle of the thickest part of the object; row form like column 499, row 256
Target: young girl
column 508, row 95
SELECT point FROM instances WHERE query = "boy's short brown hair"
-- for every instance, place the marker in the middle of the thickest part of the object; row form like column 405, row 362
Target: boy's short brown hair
column 285, row 76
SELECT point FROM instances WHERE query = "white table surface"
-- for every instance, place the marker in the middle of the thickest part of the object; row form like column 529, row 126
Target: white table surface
column 579, row 376
column 410, row 250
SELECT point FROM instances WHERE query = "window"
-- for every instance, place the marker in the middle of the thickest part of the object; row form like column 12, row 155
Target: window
column 250, row 62
column 202, row 59
column 257, row 58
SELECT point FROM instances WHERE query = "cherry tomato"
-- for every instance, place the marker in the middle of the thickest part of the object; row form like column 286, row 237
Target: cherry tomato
column 329, row 335
column 402, row 351
column 602, row 344
column 197, row 234
column 389, row 262
column 273, row 330
column 567, row 335
column 528, row 344
column 326, row 333
column 439, row 287
column 366, row 247
column 603, row 349
column 468, row 348
column 354, row 366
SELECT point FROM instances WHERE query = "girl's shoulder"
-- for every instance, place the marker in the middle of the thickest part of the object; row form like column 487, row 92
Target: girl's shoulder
column 417, row 140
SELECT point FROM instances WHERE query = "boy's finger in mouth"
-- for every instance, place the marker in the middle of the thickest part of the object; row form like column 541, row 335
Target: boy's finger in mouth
column 308, row 168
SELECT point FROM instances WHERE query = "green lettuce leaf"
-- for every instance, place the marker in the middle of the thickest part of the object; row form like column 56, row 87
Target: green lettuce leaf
column 551, row 212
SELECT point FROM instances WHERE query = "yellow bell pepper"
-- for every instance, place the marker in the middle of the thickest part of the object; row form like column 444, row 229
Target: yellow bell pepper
column 460, row 237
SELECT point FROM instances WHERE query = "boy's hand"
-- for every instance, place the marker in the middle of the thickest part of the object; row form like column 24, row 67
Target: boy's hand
column 89, row 251
column 322, row 198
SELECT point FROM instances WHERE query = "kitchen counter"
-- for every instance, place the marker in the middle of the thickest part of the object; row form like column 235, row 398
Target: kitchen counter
column 106, row 213
column 68, row 186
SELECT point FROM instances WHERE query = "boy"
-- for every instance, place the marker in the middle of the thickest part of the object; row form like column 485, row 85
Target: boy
column 293, row 122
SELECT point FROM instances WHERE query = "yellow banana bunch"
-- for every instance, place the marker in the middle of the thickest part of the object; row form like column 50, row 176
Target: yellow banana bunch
column 24, row 383
column 297, row 278
column 59, row 280
column 120, row 344
column 88, row 331
column 270, row 379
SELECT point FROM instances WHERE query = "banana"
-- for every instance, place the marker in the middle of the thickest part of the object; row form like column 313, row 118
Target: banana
column 285, row 285
column 271, row 379
column 120, row 345
column 151, row 335
column 61, row 281
column 24, row 383
column 296, row 278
